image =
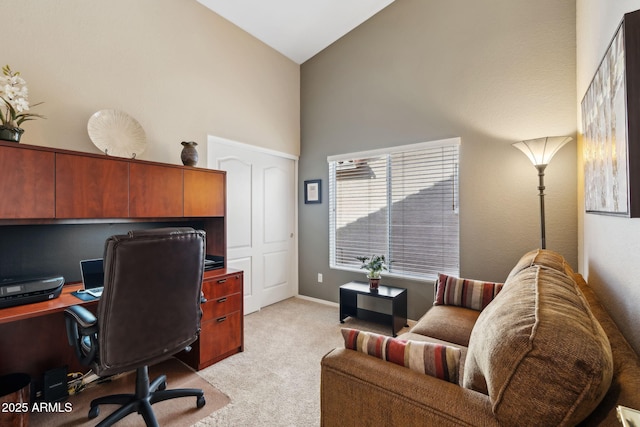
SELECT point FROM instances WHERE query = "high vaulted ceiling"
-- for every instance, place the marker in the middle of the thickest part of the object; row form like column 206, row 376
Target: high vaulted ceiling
column 298, row 29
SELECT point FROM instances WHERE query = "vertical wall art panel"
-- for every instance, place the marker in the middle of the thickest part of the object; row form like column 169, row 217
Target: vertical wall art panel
column 604, row 117
column 610, row 123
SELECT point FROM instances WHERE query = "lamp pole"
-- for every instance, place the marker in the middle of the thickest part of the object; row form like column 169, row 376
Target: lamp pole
column 543, row 242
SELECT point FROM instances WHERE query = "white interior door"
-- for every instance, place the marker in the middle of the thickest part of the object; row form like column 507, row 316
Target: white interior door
column 261, row 219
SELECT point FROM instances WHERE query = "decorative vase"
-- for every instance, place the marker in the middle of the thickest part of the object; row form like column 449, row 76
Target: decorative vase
column 374, row 283
column 10, row 134
column 189, row 155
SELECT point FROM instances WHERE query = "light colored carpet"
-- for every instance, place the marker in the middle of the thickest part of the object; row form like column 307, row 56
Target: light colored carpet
column 276, row 380
column 175, row 412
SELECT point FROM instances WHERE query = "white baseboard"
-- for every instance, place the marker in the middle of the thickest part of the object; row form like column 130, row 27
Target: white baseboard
column 318, row 300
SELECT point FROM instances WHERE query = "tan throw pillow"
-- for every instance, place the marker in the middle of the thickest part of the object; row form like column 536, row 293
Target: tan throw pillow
column 467, row 293
column 437, row 360
column 538, row 351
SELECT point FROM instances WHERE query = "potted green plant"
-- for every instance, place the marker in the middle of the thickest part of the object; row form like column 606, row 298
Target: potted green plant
column 374, row 266
column 13, row 94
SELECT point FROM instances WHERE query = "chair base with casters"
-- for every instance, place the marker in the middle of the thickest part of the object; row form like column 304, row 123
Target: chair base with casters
column 146, row 395
column 81, row 331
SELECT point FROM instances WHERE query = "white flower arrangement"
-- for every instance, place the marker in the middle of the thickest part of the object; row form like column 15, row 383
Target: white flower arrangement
column 14, row 95
column 373, row 264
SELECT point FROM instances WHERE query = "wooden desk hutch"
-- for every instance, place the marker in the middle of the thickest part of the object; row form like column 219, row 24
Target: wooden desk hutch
column 40, row 185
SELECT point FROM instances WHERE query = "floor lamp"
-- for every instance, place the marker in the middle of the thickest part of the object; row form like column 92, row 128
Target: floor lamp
column 540, row 151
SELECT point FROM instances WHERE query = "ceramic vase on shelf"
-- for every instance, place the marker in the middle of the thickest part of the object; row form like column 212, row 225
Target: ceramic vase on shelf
column 189, row 155
column 10, row 133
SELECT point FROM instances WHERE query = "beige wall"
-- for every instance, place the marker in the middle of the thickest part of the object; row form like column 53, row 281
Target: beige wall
column 609, row 250
column 491, row 72
column 181, row 70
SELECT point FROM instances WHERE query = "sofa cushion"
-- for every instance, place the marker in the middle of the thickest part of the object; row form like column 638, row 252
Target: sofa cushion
column 436, row 360
column 538, row 351
column 625, row 384
column 542, row 257
column 447, row 323
column 473, row 294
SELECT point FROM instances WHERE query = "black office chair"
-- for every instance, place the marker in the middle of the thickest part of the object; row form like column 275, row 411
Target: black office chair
column 149, row 310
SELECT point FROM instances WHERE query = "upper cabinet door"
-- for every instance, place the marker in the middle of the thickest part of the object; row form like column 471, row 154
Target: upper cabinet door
column 26, row 183
column 90, row 187
column 204, row 193
column 155, row 191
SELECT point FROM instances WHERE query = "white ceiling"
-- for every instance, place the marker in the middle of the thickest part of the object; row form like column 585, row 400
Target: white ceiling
column 297, row 28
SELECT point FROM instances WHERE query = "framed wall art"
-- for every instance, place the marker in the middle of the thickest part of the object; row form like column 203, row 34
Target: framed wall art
column 611, row 126
column 313, row 191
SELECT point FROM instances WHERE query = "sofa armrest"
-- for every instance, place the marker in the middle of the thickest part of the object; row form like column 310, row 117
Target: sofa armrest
column 357, row 389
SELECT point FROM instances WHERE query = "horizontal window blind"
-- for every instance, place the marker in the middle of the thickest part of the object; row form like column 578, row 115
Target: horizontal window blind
column 402, row 203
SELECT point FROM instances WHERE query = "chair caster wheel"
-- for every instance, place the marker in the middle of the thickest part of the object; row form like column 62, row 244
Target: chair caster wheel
column 94, row 412
column 162, row 386
column 201, row 402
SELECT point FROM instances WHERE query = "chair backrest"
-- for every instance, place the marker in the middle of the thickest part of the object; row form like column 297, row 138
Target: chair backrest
column 150, row 307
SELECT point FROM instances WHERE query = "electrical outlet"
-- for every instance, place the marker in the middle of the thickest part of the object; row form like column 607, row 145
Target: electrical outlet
column 319, row 277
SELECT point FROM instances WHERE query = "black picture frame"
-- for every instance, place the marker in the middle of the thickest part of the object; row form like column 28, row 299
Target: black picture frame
column 313, row 191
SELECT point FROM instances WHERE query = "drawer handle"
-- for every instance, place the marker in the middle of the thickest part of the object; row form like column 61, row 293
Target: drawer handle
column 222, row 281
column 222, row 319
column 223, row 299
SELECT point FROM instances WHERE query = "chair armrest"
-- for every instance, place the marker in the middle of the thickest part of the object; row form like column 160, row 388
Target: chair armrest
column 83, row 317
column 357, row 389
column 82, row 328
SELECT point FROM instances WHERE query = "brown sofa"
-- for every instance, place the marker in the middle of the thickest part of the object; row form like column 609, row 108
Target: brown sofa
column 543, row 352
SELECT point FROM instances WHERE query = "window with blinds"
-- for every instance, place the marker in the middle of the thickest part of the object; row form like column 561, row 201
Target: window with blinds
column 401, row 202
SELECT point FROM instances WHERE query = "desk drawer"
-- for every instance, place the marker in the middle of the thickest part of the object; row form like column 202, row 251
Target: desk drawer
column 215, row 308
column 221, row 335
column 218, row 287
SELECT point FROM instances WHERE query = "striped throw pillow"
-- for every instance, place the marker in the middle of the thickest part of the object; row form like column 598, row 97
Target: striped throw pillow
column 473, row 294
column 436, row 360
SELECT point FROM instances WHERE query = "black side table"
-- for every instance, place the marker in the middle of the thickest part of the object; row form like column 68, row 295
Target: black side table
column 398, row 297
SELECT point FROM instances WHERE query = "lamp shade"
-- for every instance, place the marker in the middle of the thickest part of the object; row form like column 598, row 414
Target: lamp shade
column 541, row 150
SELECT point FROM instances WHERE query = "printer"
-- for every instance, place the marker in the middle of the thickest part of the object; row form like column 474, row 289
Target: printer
column 25, row 290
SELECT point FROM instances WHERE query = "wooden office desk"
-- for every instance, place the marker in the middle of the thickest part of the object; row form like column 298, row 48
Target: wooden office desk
column 33, row 337
column 53, row 187
column 36, row 309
